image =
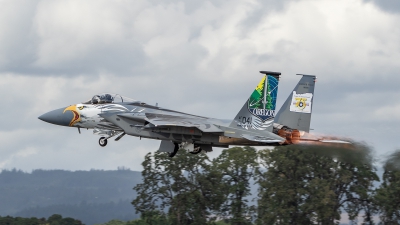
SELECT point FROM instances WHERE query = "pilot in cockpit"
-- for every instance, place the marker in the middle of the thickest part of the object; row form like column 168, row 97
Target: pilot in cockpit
column 101, row 99
column 107, row 98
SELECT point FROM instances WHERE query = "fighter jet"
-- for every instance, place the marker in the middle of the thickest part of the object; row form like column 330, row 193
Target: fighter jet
column 256, row 124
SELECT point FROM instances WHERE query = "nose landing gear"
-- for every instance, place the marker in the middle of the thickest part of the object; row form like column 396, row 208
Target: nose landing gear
column 103, row 141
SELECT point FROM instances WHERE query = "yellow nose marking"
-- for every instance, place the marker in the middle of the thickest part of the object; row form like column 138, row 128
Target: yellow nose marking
column 77, row 116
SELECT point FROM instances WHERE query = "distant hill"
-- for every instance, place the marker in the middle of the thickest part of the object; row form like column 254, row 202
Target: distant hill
column 95, row 196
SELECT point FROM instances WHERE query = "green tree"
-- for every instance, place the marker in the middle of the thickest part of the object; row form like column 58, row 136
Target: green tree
column 301, row 186
column 151, row 218
column 55, row 219
column 238, row 166
column 115, row 222
column 387, row 195
column 185, row 184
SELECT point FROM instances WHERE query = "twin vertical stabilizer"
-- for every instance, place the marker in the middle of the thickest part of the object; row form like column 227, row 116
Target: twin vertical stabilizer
column 295, row 113
column 258, row 111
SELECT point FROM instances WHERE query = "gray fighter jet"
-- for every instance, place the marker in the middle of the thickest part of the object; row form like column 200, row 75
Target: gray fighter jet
column 256, row 124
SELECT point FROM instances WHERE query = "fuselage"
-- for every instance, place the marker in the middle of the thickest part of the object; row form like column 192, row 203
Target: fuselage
column 256, row 123
column 106, row 120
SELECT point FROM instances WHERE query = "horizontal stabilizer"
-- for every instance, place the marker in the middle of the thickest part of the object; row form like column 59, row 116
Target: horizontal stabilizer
column 326, row 141
column 335, row 141
column 263, row 139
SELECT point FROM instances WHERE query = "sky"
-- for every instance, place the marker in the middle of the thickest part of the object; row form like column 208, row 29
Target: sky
column 199, row 57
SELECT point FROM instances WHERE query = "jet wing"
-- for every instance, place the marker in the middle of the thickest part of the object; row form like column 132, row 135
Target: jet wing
column 201, row 123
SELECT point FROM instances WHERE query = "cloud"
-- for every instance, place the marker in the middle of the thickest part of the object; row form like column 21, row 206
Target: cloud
column 391, row 6
column 17, row 42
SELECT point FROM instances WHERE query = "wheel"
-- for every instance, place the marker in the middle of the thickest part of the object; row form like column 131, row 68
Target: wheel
column 172, row 154
column 196, row 151
column 102, row 141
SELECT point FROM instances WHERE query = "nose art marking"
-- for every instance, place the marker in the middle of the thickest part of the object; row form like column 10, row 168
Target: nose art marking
column 77, row 116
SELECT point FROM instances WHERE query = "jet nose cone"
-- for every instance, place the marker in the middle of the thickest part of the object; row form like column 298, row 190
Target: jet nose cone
column 57, row 117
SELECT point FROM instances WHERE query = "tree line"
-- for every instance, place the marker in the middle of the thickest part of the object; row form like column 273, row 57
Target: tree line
column 296, row 185
column 55, row 219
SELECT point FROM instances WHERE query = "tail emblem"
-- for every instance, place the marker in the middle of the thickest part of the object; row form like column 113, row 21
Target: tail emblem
column 262, row 101
column 301, row 102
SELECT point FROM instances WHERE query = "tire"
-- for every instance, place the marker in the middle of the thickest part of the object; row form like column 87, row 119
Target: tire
column 102, row 141
column 196, row 152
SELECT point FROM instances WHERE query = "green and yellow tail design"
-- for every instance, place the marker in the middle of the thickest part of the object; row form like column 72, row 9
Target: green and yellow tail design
column 259, row 110
column 264, row 97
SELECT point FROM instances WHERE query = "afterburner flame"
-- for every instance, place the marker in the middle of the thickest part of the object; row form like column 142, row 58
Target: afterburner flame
column 326, row 140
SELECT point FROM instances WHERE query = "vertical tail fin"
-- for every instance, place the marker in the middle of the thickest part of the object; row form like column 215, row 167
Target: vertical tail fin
column 258, row 111
column 296, row 111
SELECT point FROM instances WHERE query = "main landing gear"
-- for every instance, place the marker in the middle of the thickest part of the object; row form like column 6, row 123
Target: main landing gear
column 190, row 147
column 176, row 148
column 196, row 150
column 171, row 148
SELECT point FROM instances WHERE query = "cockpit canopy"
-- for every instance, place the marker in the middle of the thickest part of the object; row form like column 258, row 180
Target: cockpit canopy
column 108, row 98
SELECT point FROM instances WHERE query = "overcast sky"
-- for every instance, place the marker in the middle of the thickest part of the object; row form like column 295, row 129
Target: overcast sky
column 200, row 57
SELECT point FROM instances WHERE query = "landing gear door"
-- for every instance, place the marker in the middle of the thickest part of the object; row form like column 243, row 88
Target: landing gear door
column 166, row 146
